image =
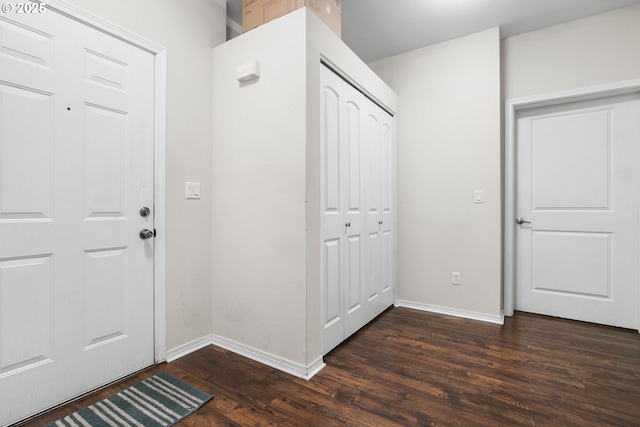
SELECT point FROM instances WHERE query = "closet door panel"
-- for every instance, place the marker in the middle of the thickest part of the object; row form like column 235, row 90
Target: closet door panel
column 353, row 161
column 354, row 199
column 374, row 275
column 387, row 163
column 373, row 185
column 332, row 307
column 387, row 208
column 373, row 154
column 333, row 229
column 331, row 144
column 387, row 264
column 354, row 308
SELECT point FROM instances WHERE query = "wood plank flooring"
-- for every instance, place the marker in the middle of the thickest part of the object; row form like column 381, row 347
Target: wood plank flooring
column 411, row 368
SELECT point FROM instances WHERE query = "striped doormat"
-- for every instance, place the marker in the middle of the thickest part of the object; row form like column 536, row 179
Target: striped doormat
column 160, row 400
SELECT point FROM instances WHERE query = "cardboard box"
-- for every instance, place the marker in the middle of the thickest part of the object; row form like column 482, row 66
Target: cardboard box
column 258, row 12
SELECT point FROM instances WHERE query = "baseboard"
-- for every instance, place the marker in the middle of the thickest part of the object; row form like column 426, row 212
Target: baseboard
column 302, row 371
column 187, row 348
column 451, row 311
column 292, row 368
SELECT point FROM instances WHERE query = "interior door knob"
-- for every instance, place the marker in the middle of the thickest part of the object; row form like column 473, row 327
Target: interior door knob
column 521, row 221
column 146, row 234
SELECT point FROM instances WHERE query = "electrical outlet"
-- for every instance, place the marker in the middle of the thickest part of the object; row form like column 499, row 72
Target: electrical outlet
column 455, row 278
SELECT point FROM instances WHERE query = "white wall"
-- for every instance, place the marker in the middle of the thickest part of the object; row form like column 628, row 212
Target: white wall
column 266, row 185
column 447, row 132
column 599, row 49
column 259, row 156
column 188, row 30
column 448, row 145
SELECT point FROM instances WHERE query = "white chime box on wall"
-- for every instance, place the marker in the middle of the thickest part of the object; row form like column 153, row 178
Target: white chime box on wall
column 248, row 72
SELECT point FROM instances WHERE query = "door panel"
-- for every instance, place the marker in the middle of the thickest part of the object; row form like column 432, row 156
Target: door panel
column 332, row 319
column 578, row 184
column 380, row 201
column 333, row 215
column 26, row 44
column 387, row 268
column 387, row 203
column 569, row 250
column 25, row 301
column 572, row 156
column 373, row 142
column 19, row 178
column 104, row 169
column 354, row 267
column 374, row 275
column 353, row 117
column 373, row 153
column 331, row 138
column 354, row 263
column 76, row 158
column 354, row 308
column 105, row 296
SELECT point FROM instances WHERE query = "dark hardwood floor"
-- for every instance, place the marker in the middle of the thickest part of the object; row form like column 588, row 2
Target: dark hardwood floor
column 414, row 368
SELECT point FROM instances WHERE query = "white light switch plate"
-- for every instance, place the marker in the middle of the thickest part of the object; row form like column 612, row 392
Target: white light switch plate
column 193, row 190
column 478, row 196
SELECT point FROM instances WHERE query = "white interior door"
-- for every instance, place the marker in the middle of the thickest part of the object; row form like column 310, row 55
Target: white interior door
column 578, row 185
column 76, row 167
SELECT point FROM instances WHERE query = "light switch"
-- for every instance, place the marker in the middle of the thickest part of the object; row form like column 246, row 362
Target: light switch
column 478, row 197
column 193, row 190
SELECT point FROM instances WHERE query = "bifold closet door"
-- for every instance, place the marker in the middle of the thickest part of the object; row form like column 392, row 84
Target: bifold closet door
column 342, row 210
column 357, row 200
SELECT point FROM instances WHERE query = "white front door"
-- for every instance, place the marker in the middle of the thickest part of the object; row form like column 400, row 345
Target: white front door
column 76, row 167
column 578, row 186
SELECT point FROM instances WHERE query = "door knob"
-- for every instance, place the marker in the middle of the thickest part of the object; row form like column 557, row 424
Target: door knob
column 146, row 234
column 521, row 221
column 145, row 212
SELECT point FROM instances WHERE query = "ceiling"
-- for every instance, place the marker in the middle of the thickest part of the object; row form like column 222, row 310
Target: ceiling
column 376, row 29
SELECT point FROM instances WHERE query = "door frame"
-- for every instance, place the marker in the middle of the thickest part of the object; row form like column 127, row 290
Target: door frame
column 159, row 165
column 512, row 106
